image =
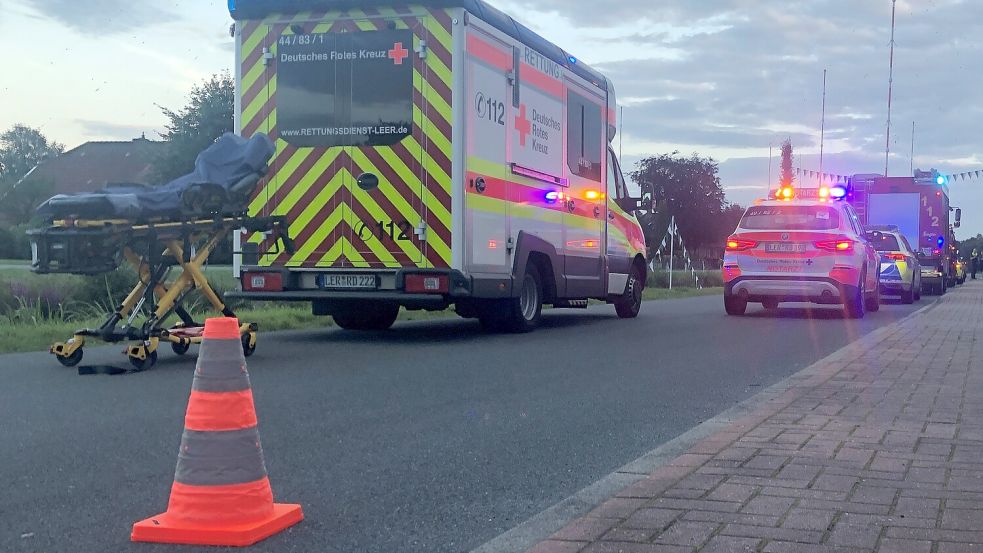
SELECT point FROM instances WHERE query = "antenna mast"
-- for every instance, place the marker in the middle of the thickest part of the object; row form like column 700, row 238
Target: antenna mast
column 890, row 89
column 822, row 132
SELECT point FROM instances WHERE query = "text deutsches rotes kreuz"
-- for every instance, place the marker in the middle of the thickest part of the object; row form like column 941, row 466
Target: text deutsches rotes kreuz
column 541, row 126
column 335, row 56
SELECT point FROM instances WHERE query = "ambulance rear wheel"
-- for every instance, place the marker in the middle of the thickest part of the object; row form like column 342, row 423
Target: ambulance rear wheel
column 521, row 314
column 368, row 318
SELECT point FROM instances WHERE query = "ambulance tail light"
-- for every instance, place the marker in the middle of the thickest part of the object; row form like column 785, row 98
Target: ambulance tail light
column 735, row 244
column 427, row 284
column 262, row 282
column 836, row 246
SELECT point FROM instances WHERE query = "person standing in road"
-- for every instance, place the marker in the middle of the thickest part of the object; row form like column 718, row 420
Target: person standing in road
column 974, row 260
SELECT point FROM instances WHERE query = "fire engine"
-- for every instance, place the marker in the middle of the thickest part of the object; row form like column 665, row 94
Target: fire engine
column 919, row 207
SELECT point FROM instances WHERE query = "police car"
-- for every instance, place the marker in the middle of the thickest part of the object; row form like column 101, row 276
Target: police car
column 900, row 271
column 801, row 247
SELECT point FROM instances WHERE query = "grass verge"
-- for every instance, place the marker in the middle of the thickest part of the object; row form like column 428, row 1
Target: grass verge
column 40, row 336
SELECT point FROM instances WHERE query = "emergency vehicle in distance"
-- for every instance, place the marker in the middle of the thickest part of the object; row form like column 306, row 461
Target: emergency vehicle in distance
column 431, row 154
column 919, row 207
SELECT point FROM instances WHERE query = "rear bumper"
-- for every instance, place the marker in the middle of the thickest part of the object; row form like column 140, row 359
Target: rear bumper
column 299, row 287
column 894, row 286
column 420, row 301
column 785, row 289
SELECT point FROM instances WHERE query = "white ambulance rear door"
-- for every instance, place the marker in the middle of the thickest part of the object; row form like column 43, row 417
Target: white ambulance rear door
column 487, row 187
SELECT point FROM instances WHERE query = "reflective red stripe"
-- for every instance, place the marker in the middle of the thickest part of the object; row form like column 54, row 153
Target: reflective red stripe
column 542, row 81
column 488, row 53
column 216, row 412
column 220, row 505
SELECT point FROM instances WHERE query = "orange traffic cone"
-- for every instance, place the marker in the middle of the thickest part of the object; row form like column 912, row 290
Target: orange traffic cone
column 221, row 493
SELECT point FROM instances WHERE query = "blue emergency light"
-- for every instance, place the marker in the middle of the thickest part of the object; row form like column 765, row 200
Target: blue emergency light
column 940, row 180
column 941, row 241
column 552, row 196
column 838, row 192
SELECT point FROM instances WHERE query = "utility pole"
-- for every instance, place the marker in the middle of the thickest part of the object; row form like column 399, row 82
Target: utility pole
column 912, row 158
column 822, row 132
column 890, row 90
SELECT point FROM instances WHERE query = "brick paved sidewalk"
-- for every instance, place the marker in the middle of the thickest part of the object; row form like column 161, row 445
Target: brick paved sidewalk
column 876, row 448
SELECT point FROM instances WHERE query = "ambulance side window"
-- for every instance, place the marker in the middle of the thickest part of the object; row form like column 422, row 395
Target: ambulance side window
column 616, row 186
column 585, row 139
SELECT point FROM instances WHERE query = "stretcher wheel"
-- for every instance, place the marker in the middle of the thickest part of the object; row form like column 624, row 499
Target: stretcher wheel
column 247, row 349
column 74, row 359
column 144, row 364
column 181, row 348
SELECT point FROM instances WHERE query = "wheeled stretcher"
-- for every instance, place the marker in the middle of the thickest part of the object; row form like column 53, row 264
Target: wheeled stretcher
column 166, row 234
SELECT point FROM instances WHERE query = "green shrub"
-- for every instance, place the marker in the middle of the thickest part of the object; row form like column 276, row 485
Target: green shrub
column 6, row 243
column 20, row 244
column 684, row 279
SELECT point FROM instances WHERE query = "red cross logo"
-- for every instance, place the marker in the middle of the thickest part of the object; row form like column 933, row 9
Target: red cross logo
column 398, row 53
column 523, row 125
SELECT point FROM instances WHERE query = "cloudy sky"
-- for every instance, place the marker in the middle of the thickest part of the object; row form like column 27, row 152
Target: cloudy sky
column 724, row 78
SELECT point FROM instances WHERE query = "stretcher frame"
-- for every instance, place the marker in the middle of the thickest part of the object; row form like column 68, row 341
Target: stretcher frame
column 185, row 245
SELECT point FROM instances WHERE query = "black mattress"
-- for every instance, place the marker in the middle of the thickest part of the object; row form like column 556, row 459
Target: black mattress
column 224, row 178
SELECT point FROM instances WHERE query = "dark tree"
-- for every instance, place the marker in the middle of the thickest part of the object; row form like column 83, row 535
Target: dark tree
column 208, row 115
column 689, row 189
column 22, row 148
column 787, row 175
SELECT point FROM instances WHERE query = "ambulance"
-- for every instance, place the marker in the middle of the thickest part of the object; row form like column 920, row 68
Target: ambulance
column 429, row 155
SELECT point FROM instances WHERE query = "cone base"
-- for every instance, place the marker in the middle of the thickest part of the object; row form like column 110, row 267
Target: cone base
column 160, row 529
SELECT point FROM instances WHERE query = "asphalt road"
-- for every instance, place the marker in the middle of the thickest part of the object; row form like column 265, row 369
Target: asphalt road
column 433, row 437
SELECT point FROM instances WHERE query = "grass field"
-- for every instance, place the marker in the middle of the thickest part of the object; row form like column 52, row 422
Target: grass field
column 21, row 336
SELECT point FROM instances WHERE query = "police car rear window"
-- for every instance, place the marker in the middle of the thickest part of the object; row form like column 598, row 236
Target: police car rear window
column 790, row 217
column 345, row 89
column 885, row 242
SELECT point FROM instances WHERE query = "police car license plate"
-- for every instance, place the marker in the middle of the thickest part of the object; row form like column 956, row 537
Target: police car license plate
column 784, row 247
column 347, row 282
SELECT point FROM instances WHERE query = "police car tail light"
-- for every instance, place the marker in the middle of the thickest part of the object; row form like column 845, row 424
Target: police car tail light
column 895, row 256
column 838, row 246
column 735, row 244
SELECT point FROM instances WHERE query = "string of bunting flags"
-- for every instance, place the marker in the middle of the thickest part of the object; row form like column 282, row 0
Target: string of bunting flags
column 670, row 239
column 834, row 178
